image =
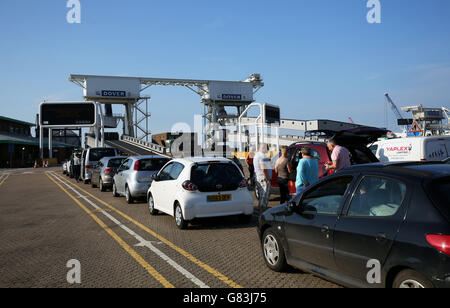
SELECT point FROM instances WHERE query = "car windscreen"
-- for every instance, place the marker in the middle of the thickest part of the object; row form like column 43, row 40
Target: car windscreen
column 154, row 164
column 97, row 154
column 215, row 177
column 438, row 191
column 115, row 163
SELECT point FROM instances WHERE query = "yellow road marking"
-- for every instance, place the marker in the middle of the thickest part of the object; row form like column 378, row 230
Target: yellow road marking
column 119, row 240
column 4, row 180
column 184, row 253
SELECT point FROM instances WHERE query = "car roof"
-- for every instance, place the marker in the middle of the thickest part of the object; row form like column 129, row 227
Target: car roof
column 197, row 160
column 114, row 157
column 430, row 170
column 148, row 157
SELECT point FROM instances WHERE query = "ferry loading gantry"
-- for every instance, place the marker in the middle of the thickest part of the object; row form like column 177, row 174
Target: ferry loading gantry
column 216, row 96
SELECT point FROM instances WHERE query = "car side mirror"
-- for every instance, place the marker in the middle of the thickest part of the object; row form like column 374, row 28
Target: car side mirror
column 290, row 207
column 155, row 177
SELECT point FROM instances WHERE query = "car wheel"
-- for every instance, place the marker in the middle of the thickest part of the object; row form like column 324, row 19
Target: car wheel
column 101, row 185
column 179, row 219
column 273, row 252
column 93, row 185
column 86, row 182
column 151, row 205
column 128, row 196
column 410, row 279
column 256, row 193
column 114, row 190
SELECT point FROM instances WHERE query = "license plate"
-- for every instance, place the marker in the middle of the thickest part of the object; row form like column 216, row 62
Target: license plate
column 219, row 198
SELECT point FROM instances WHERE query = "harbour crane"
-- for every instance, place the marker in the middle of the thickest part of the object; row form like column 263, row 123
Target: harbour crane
column 393, row 107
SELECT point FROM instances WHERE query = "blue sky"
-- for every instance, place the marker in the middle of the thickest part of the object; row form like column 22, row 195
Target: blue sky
column 318, row 58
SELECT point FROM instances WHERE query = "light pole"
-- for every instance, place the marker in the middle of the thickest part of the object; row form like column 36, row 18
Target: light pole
column 23, row 157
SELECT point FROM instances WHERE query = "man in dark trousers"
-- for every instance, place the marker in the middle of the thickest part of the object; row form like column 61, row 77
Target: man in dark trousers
column 77, row 167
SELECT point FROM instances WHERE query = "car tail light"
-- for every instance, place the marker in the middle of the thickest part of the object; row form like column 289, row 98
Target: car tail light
column 88, row 166
column 440, row 242
column 136, row 166
column 189, row 186
column 108, row 170
column 244, row 183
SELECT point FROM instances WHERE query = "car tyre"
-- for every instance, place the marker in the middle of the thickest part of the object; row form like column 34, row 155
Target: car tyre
column 256, row 193
column 273, row 251
column 151, row 205
column 128, row 196
column 114, row 190
column 409, row 279
column 179, row 219
column 93, row 185
column 101, row 185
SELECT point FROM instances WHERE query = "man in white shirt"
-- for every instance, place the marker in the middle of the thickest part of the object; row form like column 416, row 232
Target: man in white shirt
column 263, row 174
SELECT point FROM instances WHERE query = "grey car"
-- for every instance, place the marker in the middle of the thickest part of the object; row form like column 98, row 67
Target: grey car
column 103, row 173
column 90, row 158
column 134, row 176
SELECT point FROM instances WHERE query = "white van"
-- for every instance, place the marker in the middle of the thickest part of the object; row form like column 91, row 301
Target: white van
column 433, row 148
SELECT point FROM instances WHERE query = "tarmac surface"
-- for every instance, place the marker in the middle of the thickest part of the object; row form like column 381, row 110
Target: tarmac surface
column 47, row 220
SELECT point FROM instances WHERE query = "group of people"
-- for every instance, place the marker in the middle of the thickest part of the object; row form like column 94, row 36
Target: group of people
column 260, row 167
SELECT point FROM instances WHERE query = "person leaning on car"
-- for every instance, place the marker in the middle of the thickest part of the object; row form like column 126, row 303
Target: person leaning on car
column 340, row 156
column 283, row 169
column 307, row 171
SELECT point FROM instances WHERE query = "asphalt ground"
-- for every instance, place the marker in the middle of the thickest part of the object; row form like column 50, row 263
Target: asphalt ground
column 47, row 219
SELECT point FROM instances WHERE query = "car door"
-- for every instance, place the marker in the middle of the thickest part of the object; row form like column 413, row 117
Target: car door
column 158, row 188
column 171, row 186
column 309, row 230
column 120, row 178
column 96, row 173
column 367, row 231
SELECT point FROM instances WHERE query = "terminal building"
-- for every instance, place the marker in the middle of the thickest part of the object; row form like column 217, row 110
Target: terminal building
column 18, row 148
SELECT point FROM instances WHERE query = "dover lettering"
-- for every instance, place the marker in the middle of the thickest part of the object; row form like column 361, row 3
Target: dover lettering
column 110, row 93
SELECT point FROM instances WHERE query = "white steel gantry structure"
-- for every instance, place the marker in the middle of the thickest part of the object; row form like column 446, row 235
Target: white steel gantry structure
column 216, row 96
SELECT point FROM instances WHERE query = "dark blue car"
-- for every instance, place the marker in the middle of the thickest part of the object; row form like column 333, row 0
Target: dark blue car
column 376, row 225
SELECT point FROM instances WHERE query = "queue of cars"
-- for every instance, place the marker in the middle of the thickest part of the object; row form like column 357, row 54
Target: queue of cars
column 392, row 215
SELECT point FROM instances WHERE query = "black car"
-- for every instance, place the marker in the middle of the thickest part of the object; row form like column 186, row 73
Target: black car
column 375, row 225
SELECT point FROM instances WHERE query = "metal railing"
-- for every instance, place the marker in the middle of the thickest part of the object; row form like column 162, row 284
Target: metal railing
column 146, row 145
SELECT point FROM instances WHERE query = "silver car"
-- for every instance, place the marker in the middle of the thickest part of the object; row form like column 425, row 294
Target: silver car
column 103, row 173
column 134, row 176
column 90, row 158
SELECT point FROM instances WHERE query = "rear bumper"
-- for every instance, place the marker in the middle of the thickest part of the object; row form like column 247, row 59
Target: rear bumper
column 139, row 190
column 107, row 180
column 197, row 206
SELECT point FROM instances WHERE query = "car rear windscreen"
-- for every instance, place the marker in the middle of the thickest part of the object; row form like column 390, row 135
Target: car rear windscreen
column 154, row 164
column 439, row 192
column 115, row 163
column 215, row 177
column 97, row 154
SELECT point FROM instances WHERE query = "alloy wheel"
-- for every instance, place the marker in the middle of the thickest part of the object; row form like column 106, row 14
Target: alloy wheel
column 411, row 284
column 271, row 250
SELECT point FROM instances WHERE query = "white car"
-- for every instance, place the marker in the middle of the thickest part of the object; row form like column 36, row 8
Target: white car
column 192, row 188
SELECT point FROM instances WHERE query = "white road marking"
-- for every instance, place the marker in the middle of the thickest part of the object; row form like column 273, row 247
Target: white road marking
column 141, row 241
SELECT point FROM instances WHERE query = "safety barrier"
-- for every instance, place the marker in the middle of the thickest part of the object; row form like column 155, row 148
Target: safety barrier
column 146, row 145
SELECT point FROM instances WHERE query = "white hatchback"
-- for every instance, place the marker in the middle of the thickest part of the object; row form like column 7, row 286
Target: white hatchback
column 192, row 188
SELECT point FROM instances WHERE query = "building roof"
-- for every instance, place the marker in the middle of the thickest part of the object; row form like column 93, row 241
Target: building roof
column 24, row 140
column 16, row 121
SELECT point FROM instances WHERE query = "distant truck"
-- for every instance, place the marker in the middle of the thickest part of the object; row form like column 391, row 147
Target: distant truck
column 432, row 148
